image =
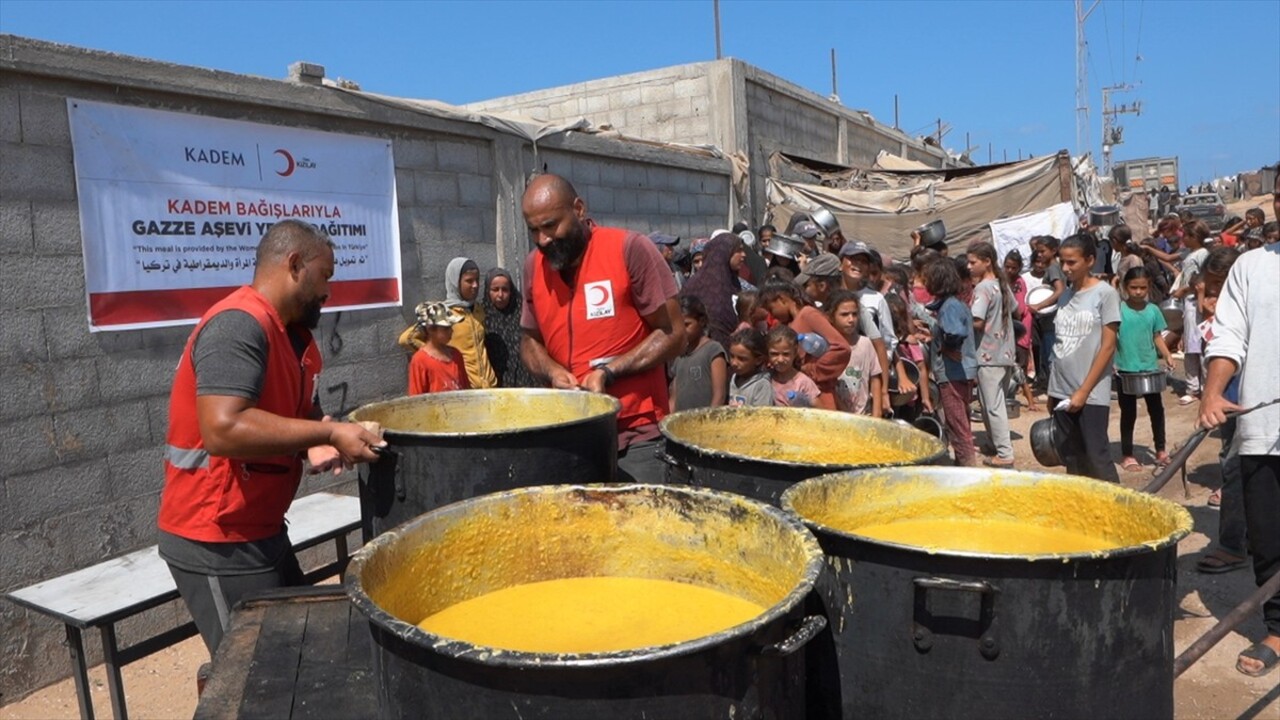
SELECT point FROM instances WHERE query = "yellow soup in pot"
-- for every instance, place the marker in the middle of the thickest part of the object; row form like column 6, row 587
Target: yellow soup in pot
column 591, row 615
column 999, row 537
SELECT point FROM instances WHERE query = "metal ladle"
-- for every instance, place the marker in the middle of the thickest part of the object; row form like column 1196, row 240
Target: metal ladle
column 1179, row 459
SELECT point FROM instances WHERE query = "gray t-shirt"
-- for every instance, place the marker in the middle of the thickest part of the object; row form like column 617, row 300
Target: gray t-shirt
column 874, row 319
column 1078, row 325
column 755, row 391
column 995, row 342
column 693, row 376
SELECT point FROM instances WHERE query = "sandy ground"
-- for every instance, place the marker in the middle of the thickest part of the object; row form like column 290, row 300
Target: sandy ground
column 163, row 685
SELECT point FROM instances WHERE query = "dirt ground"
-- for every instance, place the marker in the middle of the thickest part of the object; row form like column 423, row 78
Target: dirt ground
column 163, row 685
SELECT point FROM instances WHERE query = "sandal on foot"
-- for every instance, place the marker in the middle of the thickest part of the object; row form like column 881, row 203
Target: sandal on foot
column 1220, row 561
column 1162, row 460
column 997, row 462
column 1261, row 652
column 1215, row 499
column 1130, row 465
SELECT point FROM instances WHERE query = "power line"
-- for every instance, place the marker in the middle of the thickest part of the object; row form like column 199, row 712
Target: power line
column 1110, row 55
column 1123, row 32
column 1137, row 48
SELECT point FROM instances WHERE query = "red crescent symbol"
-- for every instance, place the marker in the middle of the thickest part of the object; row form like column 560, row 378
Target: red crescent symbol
column 604, row 296
column 289, row 159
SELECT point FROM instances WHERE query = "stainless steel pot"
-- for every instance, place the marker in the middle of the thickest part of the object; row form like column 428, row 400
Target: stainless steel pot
column 932, row 233
column 1144, row 383
column 1104, row 215
column 897, row 398
column 1171, row 308
column 825, row 220
column 785, row 246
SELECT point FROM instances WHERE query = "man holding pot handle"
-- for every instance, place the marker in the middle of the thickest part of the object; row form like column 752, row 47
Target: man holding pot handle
column 600, row 314
column 242, row 418
column 1244, row 340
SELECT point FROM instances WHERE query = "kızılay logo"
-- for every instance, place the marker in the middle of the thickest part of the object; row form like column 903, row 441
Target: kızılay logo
column 291, row 164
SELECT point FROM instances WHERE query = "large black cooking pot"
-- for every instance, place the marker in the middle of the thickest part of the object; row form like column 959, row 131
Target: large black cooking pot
column 761, row 451
column 937, row 633
column 446, row 447
column 716, row 540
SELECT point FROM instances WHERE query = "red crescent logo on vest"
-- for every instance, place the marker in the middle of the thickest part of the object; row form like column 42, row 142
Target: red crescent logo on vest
column 288, row 169
column 599, row 296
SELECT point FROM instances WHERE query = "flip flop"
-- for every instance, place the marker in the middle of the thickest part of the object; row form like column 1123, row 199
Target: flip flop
column 1262, row 653
column 997, row 463
column 1131, row 465
column 1220, row 562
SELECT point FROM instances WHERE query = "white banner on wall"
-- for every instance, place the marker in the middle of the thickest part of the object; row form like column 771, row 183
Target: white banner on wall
column 172, row 207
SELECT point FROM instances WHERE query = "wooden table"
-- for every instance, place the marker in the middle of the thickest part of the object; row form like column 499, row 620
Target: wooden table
column 293, row 653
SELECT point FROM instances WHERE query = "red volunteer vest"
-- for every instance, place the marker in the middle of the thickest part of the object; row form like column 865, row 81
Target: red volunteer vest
column 219, row 499
column 597, row 319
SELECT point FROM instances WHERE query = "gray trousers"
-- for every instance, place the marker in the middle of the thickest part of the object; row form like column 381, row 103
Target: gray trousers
column 639, row 463
column 211, row 598
column 992, row 380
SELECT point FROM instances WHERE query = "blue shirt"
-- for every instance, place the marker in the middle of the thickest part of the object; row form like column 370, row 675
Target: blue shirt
column 954, row 330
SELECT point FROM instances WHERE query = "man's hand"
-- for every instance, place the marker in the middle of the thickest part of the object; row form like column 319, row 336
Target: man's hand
column 562, row 379
column 1214, row 409
column 354, row 443
column 594, row 381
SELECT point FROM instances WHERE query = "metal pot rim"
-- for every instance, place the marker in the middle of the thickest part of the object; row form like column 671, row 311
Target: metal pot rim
column 664, row 428
column 1183, row 529
column 614, row 403
column 489, row 656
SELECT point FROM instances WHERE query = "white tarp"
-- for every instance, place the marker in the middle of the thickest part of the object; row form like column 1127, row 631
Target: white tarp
column 172, row 207
column 1014, row 232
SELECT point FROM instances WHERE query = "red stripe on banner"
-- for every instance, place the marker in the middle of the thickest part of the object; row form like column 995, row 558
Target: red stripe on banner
column 148, row 306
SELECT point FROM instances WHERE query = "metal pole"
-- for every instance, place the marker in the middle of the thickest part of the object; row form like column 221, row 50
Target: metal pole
column 895, row 111
column 1227, row 624
column 990, row 156
column 716, row 5
column 834, row 92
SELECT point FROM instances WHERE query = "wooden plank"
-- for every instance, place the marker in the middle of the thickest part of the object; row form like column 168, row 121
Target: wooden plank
column 327, row 691
column 273, row 672
column 225, row 690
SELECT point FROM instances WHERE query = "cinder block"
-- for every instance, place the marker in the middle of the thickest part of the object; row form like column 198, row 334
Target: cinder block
column 134, row 376
column 625, row 201
column 36, row 172
column 29, row 445
column 71, row 384
column 406, row 192
column 669, row 203
column 690, row 87
column 16, row 236
column 688, row 204
column 135, row 472
column 597, row 104
column 24, row 392
column 59, row 489
column 158, row 415
column 437, row 188
column 612, row 173
column 586, row 171
column 56, row 227
column 414, row 153
column 458, row 156
column 599, row 199
column 625, row 98
column 10, row 116
column 44, row 120
column 463, row 225
column 657, row 93
column 648, row 203
column 635, row 176
column 94, row 431
column 42, row 282
column 22, row 338
column 475, row 191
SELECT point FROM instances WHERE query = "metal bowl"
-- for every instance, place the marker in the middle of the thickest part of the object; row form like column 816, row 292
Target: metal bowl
column 1143, row 383
column 785, row 246
column 896, row 397
column 1172, row 310
column 825, row 220
column 1039, row 294
column 1104, row 215
column 932, row 233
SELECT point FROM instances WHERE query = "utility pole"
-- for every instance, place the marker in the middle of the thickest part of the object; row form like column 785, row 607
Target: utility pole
column 1113, row 134
column 835, row 95
column 1082, row 78
column 895, row 112
column 716, row 4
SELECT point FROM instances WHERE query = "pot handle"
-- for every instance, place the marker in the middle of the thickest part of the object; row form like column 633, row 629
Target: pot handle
column 807, row 631
column 681, row 471
column 922, row 636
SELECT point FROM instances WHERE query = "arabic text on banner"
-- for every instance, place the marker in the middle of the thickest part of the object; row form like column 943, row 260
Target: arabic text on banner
column 172, row 207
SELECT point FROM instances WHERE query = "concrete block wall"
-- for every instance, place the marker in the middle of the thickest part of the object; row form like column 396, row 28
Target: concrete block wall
column 86, row 413
column 668, row 105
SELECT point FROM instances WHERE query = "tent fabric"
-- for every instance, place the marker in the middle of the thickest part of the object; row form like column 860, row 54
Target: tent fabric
column 966, row 203
column 1014, row 233
column 888, row 161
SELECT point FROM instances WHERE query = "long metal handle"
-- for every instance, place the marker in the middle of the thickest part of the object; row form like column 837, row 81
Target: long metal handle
column 807, row 631
column 922, row 636
column 1179, row 459
column 679, row 469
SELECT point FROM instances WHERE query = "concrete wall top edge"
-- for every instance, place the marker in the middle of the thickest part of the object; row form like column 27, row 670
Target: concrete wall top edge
column 643, row 77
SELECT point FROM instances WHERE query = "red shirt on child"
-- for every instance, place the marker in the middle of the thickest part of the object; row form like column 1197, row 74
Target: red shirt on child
column 428, row 374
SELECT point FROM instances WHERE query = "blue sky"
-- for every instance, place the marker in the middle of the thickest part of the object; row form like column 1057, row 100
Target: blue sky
column 1004, row 72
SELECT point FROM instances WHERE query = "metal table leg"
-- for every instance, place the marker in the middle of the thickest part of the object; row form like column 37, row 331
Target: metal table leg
column 110, row 658
column 80, row 672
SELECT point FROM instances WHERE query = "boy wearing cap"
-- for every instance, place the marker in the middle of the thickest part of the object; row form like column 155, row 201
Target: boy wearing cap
column 666, row 245
column 820, row 277
column 437, row 367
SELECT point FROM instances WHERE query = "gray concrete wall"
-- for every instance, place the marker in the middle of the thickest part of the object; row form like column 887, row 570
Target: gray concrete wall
column 730, row 104
column 85, row 414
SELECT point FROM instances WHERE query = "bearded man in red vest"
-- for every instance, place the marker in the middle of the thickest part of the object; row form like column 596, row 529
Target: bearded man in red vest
column 600, row 314
column 242, row 418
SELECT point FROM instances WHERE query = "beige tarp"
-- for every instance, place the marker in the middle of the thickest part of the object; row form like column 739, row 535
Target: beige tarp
column 888, row 161
column 965, row 204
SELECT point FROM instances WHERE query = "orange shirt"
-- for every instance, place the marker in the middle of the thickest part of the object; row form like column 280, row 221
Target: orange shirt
column 427, row 374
